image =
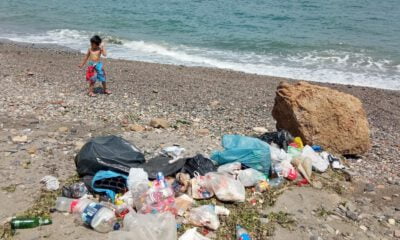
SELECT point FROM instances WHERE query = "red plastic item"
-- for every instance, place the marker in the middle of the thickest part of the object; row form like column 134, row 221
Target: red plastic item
column 292, row 174
column 302, row 182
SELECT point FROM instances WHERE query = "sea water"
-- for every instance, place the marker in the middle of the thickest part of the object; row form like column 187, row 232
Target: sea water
column 341, row 41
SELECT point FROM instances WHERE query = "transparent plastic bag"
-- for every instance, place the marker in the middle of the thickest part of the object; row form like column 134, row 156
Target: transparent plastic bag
column 250, row 177
column 231, row 168
column 192, row 234
column 204, row 216
column 225, row 187
column 199, row 188
column 318, row 163
column 147, row 227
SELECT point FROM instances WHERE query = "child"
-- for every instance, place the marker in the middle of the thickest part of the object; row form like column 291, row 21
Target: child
column 95, row 71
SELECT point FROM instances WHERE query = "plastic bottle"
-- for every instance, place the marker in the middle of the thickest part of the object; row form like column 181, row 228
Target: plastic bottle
column 79, row 205
column 32, row 222
column 276, row 182
column 100, row 218
column 64, row 204
column 241, row 233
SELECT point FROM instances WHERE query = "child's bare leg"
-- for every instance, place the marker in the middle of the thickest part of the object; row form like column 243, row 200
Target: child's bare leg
column 91, row 89
column 106, row 91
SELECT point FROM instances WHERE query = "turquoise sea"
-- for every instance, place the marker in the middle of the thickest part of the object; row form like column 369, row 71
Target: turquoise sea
column 342, row 41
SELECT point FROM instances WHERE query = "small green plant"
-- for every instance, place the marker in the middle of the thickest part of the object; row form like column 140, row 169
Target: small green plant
column 10, row 188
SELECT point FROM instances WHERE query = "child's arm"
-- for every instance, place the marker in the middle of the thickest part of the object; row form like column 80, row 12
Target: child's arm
column 85, row 59
column 103, row 50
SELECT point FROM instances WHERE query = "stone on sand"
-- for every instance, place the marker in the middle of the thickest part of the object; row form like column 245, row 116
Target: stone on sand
column 136, row 127
column 203, row 132
column 63, row 129
column 159, row 123
column 20, row 139
column 323, row 116
column 260, row 129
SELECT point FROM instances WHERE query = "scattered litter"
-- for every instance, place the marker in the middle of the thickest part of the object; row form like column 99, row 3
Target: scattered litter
column 204, row 216
column 51, row 183
column 75, row 190
column 174, row 151
column 231, row 168
column 225, row 187
column 250, row 177
column 249, row 151
column 318, row 163
column 198, row 165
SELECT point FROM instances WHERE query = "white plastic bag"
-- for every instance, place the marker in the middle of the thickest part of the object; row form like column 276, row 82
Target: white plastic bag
column 51, row 182
column 174, row 151
column 147, row 227
column 192, row 234
column 318, row 163
column 204, row 216
column 225, row 187
column 199, row 188
column 231, row 168
column 250, row 177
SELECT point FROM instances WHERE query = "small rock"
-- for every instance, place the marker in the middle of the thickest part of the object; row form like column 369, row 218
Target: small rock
column 79, row 145
column 30, row 74
column 380, row 186
column 391, row 221
column 260, row 129
column 317, row 184
column 387, row 198
column 396, row 233
column 264, row 220
column 32, row 150
column 369, row 187
column 203, row 132
column 397, row 208
column 63, row 129
column 136, row 127
column 330, row 229
column 364, row 228
column 20, row 139
column 395, row 195
column 214, row 103
column 351, row 207
column 159, row 123
column 352, row 215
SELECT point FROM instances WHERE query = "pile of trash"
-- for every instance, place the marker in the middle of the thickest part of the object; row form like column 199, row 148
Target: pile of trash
column 139, row 199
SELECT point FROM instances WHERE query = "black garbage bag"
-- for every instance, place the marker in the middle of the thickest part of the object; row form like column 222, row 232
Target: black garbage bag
column 198, row 164
column 282, row 138
column 108, row 153
column 161, row 164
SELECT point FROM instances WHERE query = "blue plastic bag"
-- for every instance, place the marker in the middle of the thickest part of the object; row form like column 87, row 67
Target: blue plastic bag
column 110, row 183
column 249, row 151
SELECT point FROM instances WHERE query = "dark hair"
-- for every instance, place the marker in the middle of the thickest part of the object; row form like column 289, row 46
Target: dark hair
column 96, row 40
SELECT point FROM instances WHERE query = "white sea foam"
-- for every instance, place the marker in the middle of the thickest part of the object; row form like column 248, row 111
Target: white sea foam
column 321, row 66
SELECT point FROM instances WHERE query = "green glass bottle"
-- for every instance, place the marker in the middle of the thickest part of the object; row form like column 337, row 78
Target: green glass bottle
column 31, row 222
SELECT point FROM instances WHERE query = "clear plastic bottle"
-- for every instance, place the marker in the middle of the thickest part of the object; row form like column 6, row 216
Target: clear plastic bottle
column 79, row 205
column 276, row 182
column 64, row 204
column 241, row 233
column 100, row 218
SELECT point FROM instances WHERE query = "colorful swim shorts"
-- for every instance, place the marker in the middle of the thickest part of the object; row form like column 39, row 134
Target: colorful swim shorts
column 95, row 72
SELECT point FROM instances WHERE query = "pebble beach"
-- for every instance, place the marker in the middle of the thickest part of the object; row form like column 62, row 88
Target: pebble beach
column 44, row 97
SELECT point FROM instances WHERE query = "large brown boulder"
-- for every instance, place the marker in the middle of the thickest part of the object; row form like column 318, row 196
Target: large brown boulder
column 323, row 116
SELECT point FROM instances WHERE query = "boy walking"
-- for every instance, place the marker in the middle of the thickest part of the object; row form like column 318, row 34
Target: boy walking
column 95, row 71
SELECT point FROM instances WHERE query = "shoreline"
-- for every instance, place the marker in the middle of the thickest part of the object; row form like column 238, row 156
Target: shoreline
column 57, row 47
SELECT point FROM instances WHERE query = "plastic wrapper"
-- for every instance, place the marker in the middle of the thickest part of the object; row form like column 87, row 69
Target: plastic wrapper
column 250, row 177
column 183, row 203
column 204, row 216
column 225, row 187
